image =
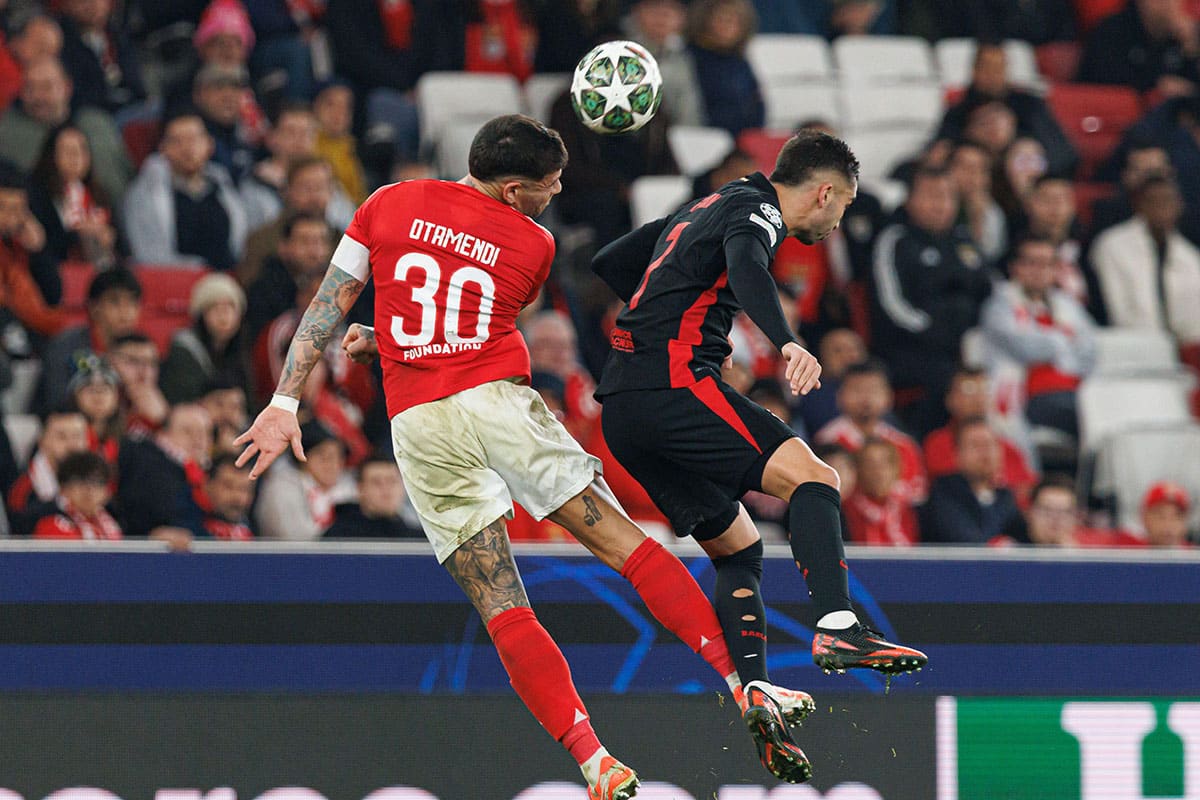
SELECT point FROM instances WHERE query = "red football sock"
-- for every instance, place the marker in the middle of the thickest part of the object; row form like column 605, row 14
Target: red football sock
column 675, row 600
column 542, row 679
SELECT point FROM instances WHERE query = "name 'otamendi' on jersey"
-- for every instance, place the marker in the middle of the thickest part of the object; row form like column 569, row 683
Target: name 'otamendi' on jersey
column 452, row 267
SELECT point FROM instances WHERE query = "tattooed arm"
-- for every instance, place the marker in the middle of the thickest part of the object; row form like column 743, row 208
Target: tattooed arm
column 276, row 427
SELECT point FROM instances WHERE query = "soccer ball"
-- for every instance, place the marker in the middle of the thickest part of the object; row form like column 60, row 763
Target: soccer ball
column 616, row 88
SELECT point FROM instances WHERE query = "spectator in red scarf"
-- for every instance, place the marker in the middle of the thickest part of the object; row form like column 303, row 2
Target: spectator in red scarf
column 230, row 495
column 63, row 433
column 99, row 57
column 22, row 239
column 69, row 205
column 500, row 38
column 877, row 512
column 298, row 499
column 95, row 391
column 83, row 480
column 162, row 477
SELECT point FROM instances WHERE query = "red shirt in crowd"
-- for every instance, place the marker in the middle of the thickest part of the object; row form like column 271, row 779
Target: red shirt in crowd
column 941, row 458
column 914, row 483
column 891, row 521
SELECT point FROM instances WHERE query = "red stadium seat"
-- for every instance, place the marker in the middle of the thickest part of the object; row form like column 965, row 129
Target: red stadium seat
column 763, row 146
column 1089, row 12
column 76, row 278
column 167, row 289
column 1094, row 118
column 141, row 137
column 161, row 327
column 1088, row 193
column 1058, row 61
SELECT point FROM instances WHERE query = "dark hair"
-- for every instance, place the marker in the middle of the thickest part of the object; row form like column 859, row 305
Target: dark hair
column 181, row 113
column 376, row 457
column 298, row 218
column 117, row 279
column 516, row 146
column 768, row 389
column 132, row 338
column 1154, row 181
column 225, row 460
column 1052, row 177
column 828, row 450
column 83, row 466
column 986, row 44
column 1028, row 239
column 966, row 372
column 808, row 151
column 700, row 15
column 1055, row 480
column 927, row 172
column 302, row 163
column 871, row 366
column 971, row 144
column 290, row 107
column 65, row 410
column 11, row 178
column 875, row 441
column 45, row 172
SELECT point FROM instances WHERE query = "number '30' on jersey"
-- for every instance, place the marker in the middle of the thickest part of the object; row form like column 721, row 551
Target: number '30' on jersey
column 452, row 267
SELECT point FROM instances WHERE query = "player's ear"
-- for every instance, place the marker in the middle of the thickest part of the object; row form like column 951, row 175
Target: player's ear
column 823, row 194
column 509, row 192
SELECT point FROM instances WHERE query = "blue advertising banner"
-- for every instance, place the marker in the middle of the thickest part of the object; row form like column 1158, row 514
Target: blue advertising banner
column 389, row 619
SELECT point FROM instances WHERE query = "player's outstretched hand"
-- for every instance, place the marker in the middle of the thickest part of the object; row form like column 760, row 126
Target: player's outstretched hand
column 360, row 345
column 803, row 370
column 268, row 438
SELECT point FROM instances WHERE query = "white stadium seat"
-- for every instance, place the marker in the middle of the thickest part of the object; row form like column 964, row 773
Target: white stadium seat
column 453, row 146
column 542, row 90
column 790, row 105
column 1129, row 462
column 1131, row 351
column 955, row 58
column 445, row 97
column 883, row 59
column 654, row 196
column 780, row 58
column 697, row 149
column 879, row 152
column 17, row 398
column 1108, row 406
column 23, row 431
column 917, row 105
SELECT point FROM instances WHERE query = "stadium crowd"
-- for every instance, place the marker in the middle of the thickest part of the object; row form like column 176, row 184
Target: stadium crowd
column 174, row 178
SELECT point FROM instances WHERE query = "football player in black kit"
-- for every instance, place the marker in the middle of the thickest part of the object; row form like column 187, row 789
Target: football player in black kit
column 697, row 446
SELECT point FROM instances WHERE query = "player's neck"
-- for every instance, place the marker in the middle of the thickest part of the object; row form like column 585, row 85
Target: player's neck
column 490, row 190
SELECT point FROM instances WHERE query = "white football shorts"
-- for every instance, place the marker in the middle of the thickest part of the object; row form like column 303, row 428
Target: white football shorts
column 465, row 458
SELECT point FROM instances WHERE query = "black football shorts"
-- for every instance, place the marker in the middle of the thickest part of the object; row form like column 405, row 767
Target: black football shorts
column 694, row 450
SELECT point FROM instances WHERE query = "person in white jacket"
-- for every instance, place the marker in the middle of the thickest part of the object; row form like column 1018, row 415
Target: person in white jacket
column 1030, row 321
column 1149, row 273
column 182, row 208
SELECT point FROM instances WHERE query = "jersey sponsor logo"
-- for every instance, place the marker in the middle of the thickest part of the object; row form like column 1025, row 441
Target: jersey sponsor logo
column 930, row 257
column 413, row 353
column 772, row 214
column 478, row 250
column 621, row 340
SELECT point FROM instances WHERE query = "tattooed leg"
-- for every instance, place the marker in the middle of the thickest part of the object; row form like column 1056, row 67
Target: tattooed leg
column 483, row 566
column 596, row 519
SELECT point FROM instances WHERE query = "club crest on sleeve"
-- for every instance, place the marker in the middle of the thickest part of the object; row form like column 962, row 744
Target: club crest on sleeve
column 772, row 213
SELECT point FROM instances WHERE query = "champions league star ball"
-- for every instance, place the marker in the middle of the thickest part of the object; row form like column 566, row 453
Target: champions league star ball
column 616, row 88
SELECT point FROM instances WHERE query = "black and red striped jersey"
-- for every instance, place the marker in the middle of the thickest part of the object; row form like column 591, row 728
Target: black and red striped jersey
column 674, row 329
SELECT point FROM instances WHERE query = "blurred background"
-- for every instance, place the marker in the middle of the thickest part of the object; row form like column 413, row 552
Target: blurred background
column 1008, row 319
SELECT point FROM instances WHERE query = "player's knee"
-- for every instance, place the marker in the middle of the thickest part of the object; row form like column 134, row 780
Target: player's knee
column 748, row 558
column 807, row 469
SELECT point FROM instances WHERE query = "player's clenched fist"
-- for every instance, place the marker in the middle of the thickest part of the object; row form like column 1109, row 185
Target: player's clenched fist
column 803, row 370
column 360, row 345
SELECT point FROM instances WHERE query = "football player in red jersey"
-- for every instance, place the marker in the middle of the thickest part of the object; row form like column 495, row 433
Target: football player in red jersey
column 454, row 263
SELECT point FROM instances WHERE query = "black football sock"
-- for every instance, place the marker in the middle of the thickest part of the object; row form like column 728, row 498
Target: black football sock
column 814, row 519
column 741, row 612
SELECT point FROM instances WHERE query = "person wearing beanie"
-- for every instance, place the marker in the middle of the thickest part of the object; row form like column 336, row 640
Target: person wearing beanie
column 1165, row 508
column 213, row 345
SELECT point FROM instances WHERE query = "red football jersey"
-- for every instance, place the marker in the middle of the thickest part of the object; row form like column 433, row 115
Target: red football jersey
column 453, row 268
